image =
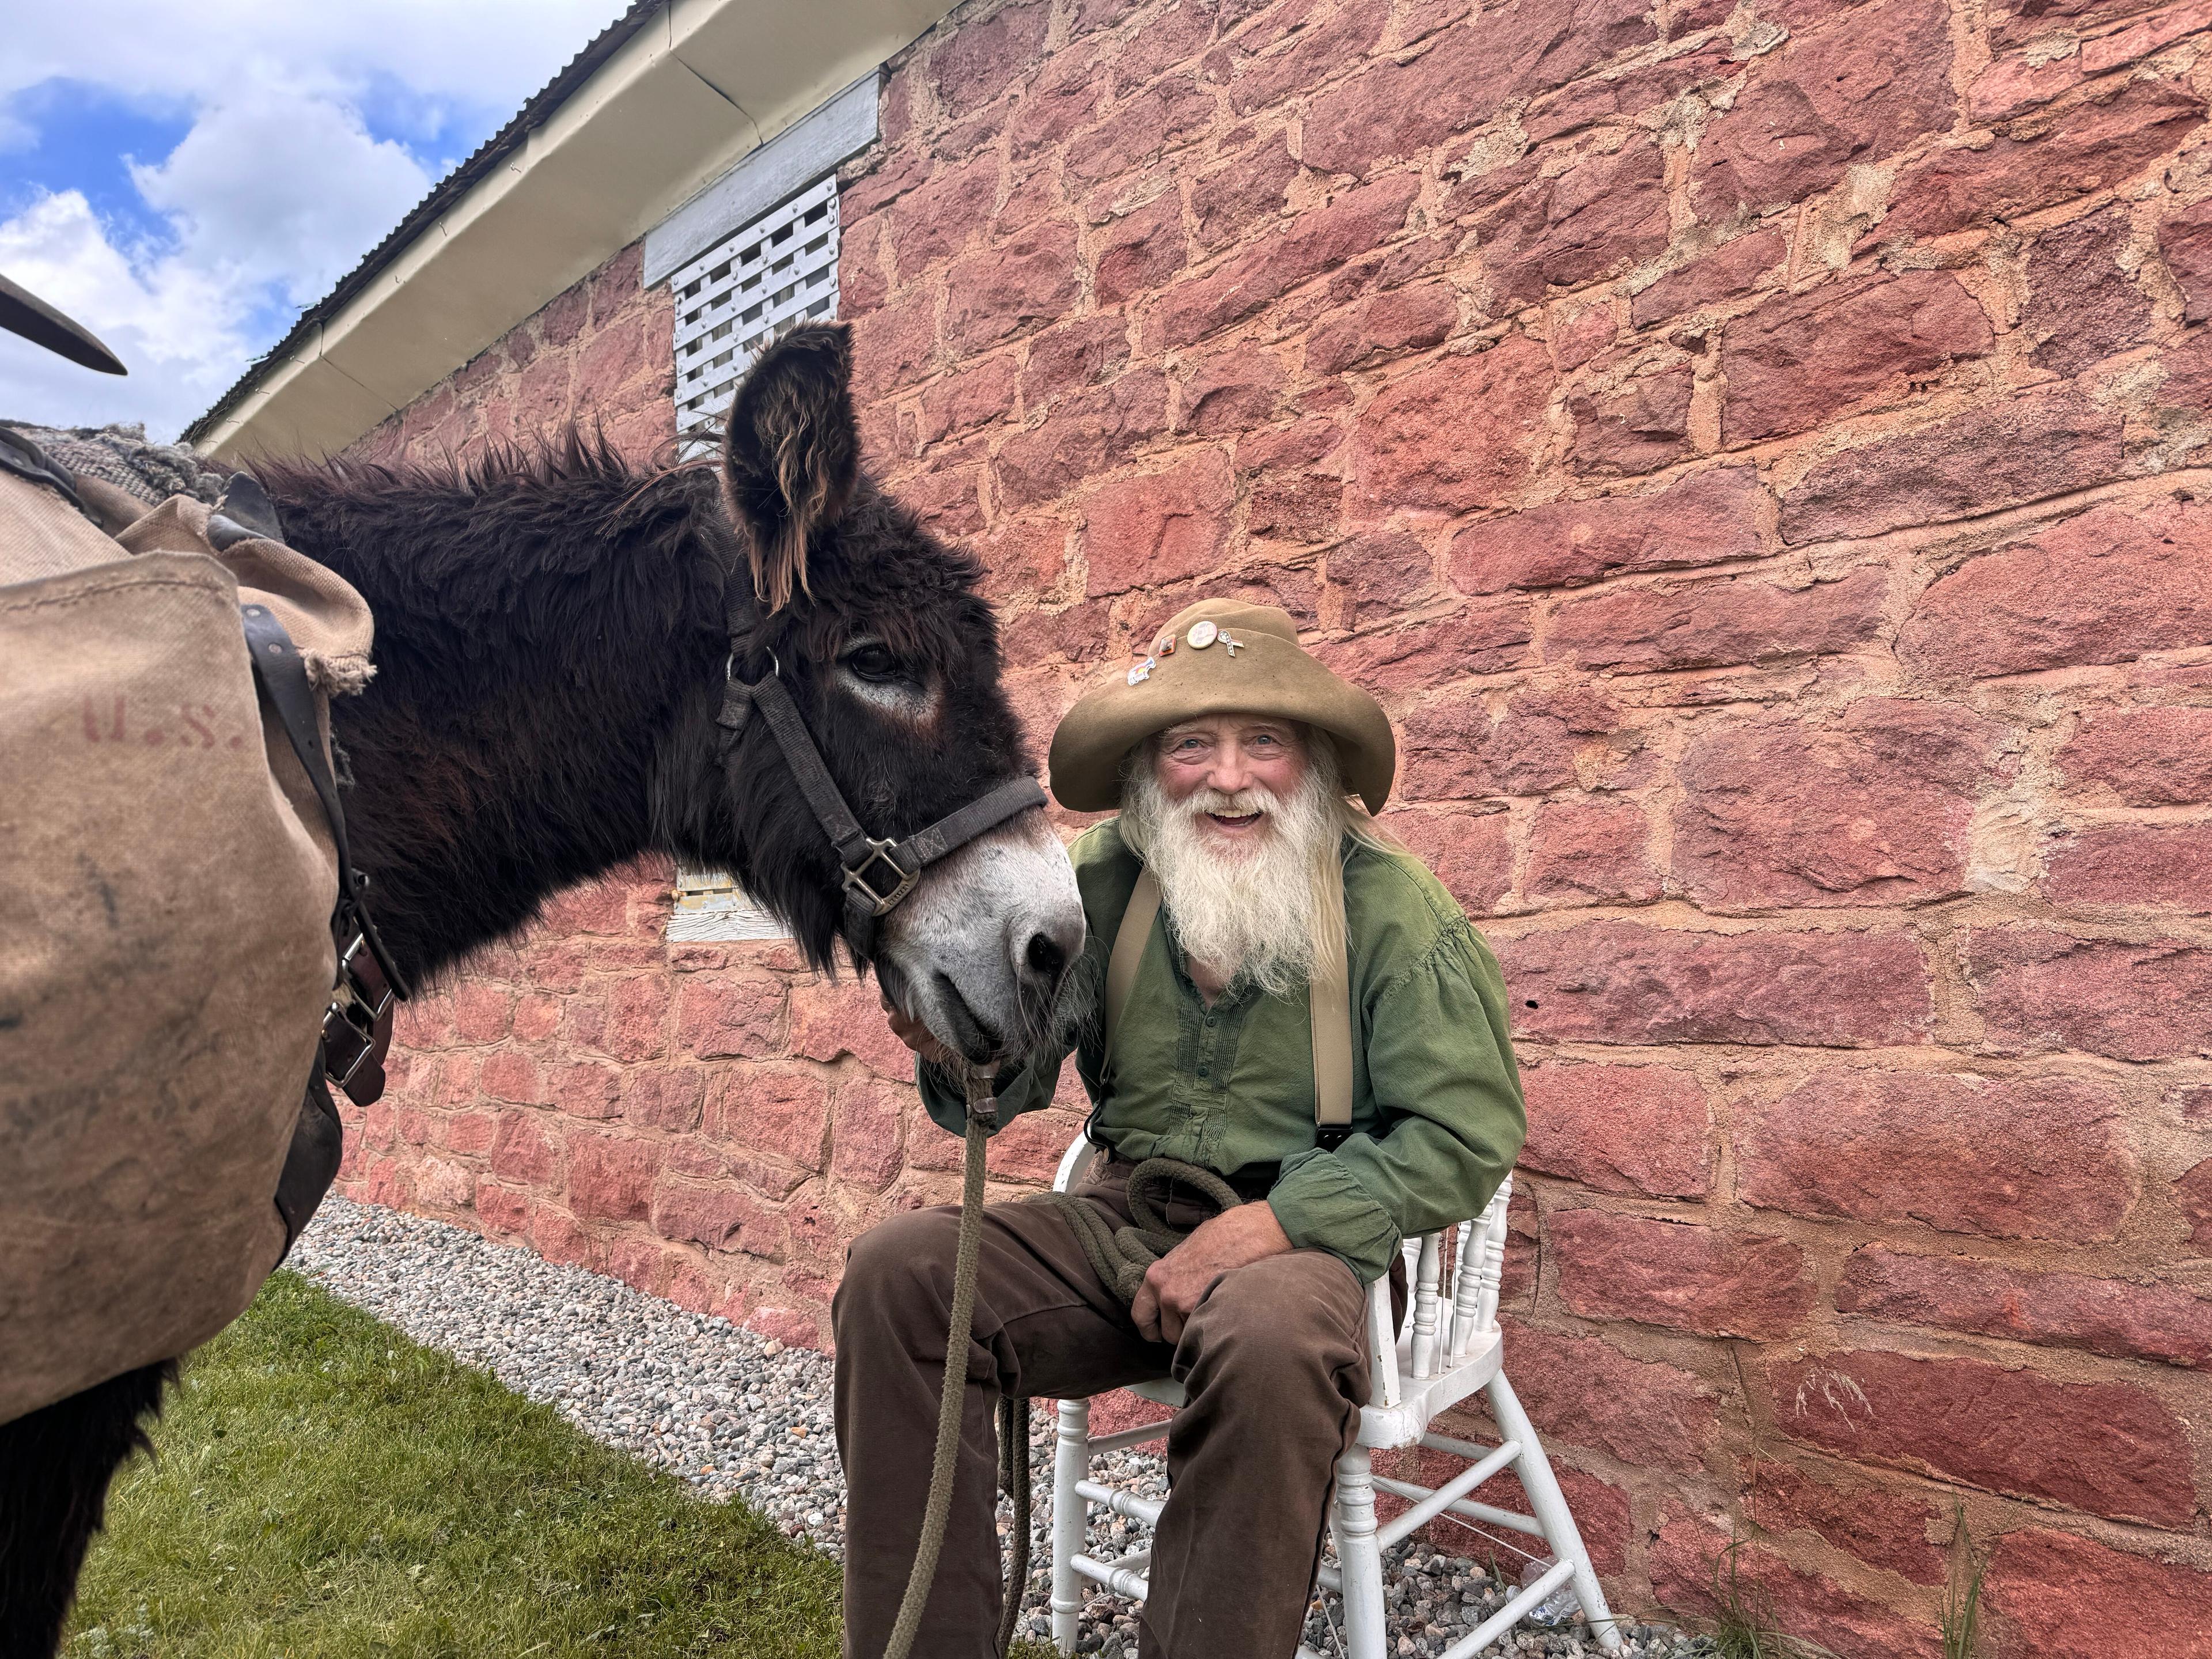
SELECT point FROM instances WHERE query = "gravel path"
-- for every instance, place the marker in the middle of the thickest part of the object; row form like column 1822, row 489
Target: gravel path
column 738, row 1415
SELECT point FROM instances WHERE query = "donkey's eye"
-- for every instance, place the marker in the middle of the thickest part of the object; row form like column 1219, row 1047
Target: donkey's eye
column 874, row 662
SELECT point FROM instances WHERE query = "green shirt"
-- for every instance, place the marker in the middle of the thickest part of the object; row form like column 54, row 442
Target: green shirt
column 1437, row 1117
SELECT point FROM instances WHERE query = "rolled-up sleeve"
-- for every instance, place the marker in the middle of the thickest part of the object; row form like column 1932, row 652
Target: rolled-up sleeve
column 1448, row 1120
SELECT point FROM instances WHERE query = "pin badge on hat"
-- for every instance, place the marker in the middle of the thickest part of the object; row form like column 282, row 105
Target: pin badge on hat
column 1231, row 643
column 1202, row 633
column 1142, row 672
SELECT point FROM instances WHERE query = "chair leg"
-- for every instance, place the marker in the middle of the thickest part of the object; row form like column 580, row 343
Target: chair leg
column 1071, row 1520
column 1549, row 1507
column 1359, row 1556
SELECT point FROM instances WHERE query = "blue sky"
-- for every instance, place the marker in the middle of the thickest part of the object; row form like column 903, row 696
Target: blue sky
column 184, row 180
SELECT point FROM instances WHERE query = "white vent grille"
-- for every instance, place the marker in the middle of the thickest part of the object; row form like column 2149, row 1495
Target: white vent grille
column 710, row 905
column 778, row 268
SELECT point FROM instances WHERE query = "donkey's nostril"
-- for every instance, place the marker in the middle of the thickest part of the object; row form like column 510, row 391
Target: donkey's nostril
column 1046, row 958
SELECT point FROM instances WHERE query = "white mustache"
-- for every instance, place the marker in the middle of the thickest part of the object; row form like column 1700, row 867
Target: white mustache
column 1239, row 804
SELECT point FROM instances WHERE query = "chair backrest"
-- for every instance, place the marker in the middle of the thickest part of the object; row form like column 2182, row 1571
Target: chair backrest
column 1454, row 1302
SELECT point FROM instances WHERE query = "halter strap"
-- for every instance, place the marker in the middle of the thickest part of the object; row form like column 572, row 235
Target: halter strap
column 1329, row 998
column 878, row 874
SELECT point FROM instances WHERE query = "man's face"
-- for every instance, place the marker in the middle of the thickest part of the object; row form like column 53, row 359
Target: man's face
column 1229, row 754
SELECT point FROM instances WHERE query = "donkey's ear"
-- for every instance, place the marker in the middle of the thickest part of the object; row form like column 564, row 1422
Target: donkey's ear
column 792, row 452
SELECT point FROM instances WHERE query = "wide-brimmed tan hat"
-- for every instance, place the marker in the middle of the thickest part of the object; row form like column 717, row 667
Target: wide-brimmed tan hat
column 1218, row 658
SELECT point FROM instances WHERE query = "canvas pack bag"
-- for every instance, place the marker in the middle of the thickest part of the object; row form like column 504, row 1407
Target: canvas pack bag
column 168, row 875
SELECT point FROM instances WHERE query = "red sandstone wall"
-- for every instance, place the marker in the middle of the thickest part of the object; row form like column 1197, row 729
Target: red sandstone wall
column 1757, row 455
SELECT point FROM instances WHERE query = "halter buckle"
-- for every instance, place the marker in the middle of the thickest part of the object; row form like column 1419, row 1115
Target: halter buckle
column 856, row 880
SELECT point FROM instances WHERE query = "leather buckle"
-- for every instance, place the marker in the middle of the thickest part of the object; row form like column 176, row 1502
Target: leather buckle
column 856, row 879
column 357, row 1026
column 1330, row 1136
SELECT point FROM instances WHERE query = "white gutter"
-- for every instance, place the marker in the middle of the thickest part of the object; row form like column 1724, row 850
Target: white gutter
column 700, row 86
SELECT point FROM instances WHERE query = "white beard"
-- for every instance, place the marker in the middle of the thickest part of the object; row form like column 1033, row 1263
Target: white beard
column 1243, row 911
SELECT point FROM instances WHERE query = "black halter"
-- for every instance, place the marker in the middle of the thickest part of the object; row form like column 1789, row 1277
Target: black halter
column 878, row 874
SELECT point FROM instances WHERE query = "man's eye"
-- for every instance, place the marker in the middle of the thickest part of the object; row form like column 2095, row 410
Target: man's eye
column 873, row 662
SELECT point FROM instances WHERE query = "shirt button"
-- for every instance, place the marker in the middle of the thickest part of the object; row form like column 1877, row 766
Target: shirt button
column 1201, row 1071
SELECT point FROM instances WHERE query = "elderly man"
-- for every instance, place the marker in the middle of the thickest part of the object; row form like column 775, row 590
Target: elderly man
column 1231, row 752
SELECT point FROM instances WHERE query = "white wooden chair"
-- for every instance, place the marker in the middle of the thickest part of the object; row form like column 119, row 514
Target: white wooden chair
column 1451, row 1348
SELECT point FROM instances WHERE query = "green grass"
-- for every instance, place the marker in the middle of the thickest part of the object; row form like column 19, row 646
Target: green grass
column 324, row 1487
column 1745, row 1625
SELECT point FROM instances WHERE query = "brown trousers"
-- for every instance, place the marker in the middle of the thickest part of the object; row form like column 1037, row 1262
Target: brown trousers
column 1275, row 1360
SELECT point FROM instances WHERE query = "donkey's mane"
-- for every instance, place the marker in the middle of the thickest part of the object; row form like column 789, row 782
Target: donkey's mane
column 543, row 546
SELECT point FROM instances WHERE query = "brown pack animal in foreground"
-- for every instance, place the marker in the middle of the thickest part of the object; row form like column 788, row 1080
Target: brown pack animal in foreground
column 553, row 654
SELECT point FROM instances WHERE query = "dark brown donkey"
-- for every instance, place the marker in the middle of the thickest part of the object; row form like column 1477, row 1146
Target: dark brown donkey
column 551, row 647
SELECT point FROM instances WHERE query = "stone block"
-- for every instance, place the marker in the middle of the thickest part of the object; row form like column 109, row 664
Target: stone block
column 1017, row 289
column 522, row 1152
column 1381, row 325
column 1470, row 853
column 1730, row 269
column 1705, row 518
column 2109, row 1316
column 1638, row 427
column 1140, row 530
column 2110, row 1448
column 2036, row 988
column 1634, row 1129
column 866, row 1143
column 1882, row 1526
column 2081, row 305
column 1583, row 1391
column 1591, row 854
column 2025, row 1158
column 2145, row 756
column 1838, row 97
column 1594, row 219
column 2058, row 1596
column 1874, row 808
column 2166, row 867
column 2042, row 443
column 611, row 1176
column 1468, row 74
column 1456, row 434
column 1680, row 1275
column 1140, row 251
column 782, row 1111
column 1718, row 622
column 1801, row 359
column 1618, row 982
column 725, row 1018
column 1087, row 434
column 1321, row 239
column 2039, row 162
column 2184, row 241
column 1690, row 1558
column 2104, row 587
column 1451, row 749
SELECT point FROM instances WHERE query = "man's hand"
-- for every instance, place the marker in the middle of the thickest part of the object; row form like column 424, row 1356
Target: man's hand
column 916, row 1036
column 1175, row 1285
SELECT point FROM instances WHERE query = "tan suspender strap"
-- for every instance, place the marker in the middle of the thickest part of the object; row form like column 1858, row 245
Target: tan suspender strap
column 1329, row 997
column 1330, row 994
column 1129, row 950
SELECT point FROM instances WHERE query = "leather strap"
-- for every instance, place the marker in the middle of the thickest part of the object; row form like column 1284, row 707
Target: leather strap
column 1135, row 933
column 878, row 874
column 357, row 1027
column 1328, row 993
column 1329, row 998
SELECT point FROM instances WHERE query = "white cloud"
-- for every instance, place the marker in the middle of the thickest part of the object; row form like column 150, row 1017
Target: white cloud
column 276, row 190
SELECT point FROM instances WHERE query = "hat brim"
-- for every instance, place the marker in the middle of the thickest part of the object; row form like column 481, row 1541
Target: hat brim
column 1267, row 676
